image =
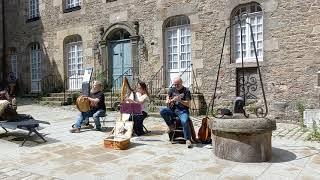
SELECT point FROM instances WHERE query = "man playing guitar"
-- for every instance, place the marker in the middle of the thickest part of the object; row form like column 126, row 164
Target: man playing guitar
column 178, row 100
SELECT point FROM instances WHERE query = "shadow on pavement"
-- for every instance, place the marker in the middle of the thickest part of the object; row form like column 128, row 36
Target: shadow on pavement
column 135, row 144
column 17, row 137
column 281, row 155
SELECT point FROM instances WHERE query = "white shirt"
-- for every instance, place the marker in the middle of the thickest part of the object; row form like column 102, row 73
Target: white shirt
column 145, row 101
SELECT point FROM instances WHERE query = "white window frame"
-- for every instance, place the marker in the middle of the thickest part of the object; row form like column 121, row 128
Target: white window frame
column 72, row 3
column 180, row 50
column 75, row 58
column 35, row 66
column 256, row 20
column 183, row 52
column 33, row 9
column 14, row 64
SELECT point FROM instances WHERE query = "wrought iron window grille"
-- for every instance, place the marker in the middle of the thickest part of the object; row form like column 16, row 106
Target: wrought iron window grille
column 76, row 8
column 33, row 19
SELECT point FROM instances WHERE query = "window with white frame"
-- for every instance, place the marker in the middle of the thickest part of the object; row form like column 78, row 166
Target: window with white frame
column 33, row 9
column 178, row 48
column 244, row 47
column 72, row 3
column 14, row 64
column 35, row 61
column 74, row 55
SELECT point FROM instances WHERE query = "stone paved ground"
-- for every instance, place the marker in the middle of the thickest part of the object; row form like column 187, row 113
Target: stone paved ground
column 82, row 156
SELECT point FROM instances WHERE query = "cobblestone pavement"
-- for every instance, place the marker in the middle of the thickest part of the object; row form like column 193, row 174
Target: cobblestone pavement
column 82, row 156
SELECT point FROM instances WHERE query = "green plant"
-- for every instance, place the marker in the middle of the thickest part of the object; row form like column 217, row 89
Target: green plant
column 315, row 134
column 74, row 96
column 300, row 107
column 252, row 108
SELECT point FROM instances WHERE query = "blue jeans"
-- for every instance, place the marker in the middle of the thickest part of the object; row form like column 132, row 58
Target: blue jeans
column 93, row 113
column 168, row 115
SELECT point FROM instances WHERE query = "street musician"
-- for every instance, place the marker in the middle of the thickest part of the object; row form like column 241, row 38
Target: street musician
column 97, row 108
column 178, row 100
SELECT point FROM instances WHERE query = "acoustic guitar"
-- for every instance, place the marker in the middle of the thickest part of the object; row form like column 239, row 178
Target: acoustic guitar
column 204, row 133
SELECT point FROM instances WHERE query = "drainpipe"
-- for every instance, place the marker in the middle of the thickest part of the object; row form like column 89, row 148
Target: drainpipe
column 4, row 43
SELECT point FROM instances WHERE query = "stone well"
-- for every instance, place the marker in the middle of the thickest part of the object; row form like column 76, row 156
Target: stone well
column 242, row 140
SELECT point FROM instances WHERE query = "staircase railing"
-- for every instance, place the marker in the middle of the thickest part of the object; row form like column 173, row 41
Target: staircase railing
column 72, row 84
column 190, row 78
column 51, row 84
column 156, row 82
column 193, row 86
column 101, row 76
column 116, row 87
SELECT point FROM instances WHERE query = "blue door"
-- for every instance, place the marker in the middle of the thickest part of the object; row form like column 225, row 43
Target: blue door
column 121, row 61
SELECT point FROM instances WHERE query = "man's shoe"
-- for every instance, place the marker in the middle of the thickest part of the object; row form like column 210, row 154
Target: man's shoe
column 75, row 130
column 98, row 129
column 188, row 144
column 88, row 126
column 170, row 128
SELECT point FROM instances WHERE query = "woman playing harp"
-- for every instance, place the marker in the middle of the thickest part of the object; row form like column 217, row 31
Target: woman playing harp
column 97, row 108
column 142, row 98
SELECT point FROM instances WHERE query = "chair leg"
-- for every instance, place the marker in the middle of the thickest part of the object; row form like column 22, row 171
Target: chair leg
column 103, row 121
column 172, row 137
column 145, row 129
column 5, row 129
column 26, row 138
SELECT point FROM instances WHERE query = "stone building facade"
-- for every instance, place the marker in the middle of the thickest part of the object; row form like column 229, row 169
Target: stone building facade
column 57, row 39
column 1, row 39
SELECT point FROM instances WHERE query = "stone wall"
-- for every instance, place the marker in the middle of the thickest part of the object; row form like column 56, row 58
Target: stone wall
column 1, row 40
column 291, row 43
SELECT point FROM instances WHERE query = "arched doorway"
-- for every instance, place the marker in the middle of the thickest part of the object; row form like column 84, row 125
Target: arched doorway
column 120, row 59
column 119, row 48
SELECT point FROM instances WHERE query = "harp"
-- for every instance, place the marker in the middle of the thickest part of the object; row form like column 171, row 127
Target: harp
column 126, row 90
column 119, row 138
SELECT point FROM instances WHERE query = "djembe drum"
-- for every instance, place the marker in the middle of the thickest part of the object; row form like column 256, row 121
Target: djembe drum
column 83, row 104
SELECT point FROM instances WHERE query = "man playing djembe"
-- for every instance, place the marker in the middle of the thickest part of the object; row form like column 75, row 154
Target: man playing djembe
column 178, row 100
column 98, row 108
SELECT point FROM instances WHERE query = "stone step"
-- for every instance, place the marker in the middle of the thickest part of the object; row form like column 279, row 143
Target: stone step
column 53, row 99
column 51, row 103
column 61, row 94
column 154, row 114
column 155, row 108
column 77, row 92
column 30, row 95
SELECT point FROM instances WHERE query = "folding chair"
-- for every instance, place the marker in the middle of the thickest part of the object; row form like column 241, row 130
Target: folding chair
column 177, row 133
column 24, row 124
column 103, row 120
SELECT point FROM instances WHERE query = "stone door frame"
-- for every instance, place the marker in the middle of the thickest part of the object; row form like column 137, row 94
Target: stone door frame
column 132, row 29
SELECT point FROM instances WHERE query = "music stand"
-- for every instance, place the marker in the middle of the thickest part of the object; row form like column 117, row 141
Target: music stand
column 86, row 82
column 131, row 108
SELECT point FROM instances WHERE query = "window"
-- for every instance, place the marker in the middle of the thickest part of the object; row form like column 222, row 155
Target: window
column 13, row 61
column 33, row 9
column 246, row 48
column 319, row 78
column 74, row 55
column 35, row 68
column 74, row 61
column 72, row 3
column 178, row 48
column 35, row 61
